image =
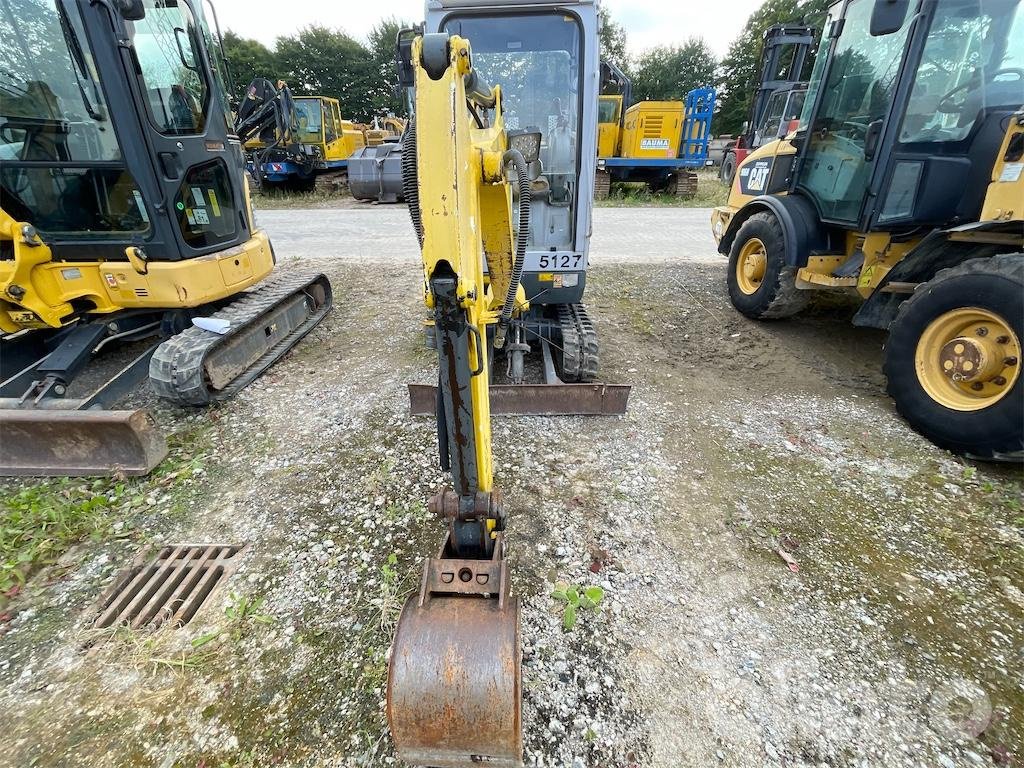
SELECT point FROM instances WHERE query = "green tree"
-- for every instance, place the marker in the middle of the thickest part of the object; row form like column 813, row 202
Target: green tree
column 329, row 62
column 612, row 40
column 740, row 69
column 668, row 73
column 382, row 41
column 247, row 60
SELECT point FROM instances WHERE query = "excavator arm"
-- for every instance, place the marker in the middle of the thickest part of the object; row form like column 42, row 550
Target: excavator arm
column 454, row 677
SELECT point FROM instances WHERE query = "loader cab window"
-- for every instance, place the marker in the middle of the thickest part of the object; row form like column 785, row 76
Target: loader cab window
column 973, row 59
column 61, row 167
column 309, row 114
column 853, row 102
column 608, row 109
column 169, row 56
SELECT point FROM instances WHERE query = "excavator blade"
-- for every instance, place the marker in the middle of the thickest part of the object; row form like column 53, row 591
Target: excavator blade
column 54, row 442
column 454, row 686
column 537, row 399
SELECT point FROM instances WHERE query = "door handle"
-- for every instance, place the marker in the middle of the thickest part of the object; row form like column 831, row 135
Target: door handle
column 871, row 136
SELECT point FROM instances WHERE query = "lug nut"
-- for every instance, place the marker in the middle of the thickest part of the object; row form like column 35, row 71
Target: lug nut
column 1010, row 361
column 1003, row 340
column 977, row 386
column 999, row 381
column 983, row 331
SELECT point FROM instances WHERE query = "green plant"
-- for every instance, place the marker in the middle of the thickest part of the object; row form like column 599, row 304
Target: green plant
column 574, row 601
column 40, row 523
column 243, row 609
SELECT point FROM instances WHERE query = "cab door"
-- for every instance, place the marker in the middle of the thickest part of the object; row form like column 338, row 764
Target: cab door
column 180, row 97
column 853, row 101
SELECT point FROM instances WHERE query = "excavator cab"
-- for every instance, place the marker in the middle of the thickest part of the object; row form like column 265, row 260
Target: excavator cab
column 545, row 56
column 124, row 213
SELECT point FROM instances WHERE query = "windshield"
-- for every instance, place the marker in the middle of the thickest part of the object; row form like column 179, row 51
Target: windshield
column 608, row 109
column 309, row 116
column 535, row 58
column 859, row 88
column 60, row 162
column 973, row 59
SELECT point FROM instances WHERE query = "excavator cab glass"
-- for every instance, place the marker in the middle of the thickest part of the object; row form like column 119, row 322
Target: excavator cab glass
column 536, row 59
column 61, row 165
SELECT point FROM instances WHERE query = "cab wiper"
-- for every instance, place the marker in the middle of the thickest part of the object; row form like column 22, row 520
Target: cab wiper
column 78, row 61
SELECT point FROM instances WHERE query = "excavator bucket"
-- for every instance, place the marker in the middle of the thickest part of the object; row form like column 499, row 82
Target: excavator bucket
column 454, row 686
column 62, row 442
column 537, row 399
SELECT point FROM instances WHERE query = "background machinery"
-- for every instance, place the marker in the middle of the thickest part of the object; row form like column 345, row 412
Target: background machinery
column 658, row 143
column 779, row 97
column 454, row 680
column 904, row 185
column 124, row 215
column 301, row 141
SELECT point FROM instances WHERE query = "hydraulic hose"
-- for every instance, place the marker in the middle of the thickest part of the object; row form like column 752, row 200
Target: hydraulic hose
column 410, row 178
column 515, row 158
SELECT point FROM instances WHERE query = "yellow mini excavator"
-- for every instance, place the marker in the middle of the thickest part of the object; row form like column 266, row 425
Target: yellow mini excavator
column 454, row 678
column 904, row 185
column 125, row 220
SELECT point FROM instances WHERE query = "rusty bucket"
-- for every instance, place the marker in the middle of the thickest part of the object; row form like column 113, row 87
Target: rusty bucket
column 454, row 685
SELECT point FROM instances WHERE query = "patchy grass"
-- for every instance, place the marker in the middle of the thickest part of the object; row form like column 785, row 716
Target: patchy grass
column 284, row 198
column 710, row 192
column 39, row 523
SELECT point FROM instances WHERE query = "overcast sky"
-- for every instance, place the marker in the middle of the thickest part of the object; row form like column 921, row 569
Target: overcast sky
column 647, row 22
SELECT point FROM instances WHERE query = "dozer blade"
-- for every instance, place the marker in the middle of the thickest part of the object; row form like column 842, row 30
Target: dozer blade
column 537, row 399
column 63, row 442
column 454, row 688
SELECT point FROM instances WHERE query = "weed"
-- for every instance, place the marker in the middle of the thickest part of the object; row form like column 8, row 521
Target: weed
column 574, row 601
column 40, row 523
column 710, row 192
column 244, row 609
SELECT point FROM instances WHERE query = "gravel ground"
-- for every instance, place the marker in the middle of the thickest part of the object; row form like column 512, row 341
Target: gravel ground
column 896, row 640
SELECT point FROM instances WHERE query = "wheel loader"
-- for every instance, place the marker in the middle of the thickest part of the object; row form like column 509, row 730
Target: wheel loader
column 904, row 186
column 125, row 220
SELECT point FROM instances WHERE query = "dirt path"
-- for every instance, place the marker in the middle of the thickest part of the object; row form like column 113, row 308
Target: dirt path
column 897, row 643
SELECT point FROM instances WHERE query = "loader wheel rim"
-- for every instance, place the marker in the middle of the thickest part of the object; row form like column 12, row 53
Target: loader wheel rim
column 751, row 266
column 968, row 359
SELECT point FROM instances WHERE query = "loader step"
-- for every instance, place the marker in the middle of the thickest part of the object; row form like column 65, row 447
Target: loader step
column 592, row 399
column 197, row 366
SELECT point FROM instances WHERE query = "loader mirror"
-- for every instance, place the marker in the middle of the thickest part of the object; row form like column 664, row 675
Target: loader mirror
column 887, row 16
column 131, row 10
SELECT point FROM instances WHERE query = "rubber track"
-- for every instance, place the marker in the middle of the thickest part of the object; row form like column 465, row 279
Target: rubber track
column 177, row 369
column 580, row 351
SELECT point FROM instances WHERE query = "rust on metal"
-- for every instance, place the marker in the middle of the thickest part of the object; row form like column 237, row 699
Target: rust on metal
column 537, row 399
column 45, row 442
column 454, row 697
column 168, row 586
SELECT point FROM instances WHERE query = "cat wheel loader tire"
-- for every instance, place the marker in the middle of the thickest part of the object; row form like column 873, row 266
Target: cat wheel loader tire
column 953, row 358
column 761, row 285
column 728, row 168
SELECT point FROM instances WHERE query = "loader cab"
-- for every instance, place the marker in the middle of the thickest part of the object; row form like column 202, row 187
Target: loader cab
column 609, row 123
column 903, row 119
column 782, row 114
column 544, row 57
column 320, row 126
column 169, row 182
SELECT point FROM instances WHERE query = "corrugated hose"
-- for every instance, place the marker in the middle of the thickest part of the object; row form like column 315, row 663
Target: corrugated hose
column 515, row 158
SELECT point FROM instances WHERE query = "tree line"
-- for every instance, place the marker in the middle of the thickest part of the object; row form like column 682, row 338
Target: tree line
column 361, row 73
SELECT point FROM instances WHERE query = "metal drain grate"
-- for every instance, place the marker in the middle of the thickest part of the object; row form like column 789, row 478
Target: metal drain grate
column 170, row 586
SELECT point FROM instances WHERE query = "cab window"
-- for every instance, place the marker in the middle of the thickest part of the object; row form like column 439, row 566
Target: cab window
column 169, row 56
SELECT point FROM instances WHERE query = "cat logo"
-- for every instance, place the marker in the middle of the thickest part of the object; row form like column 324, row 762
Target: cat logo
column 754, row 177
